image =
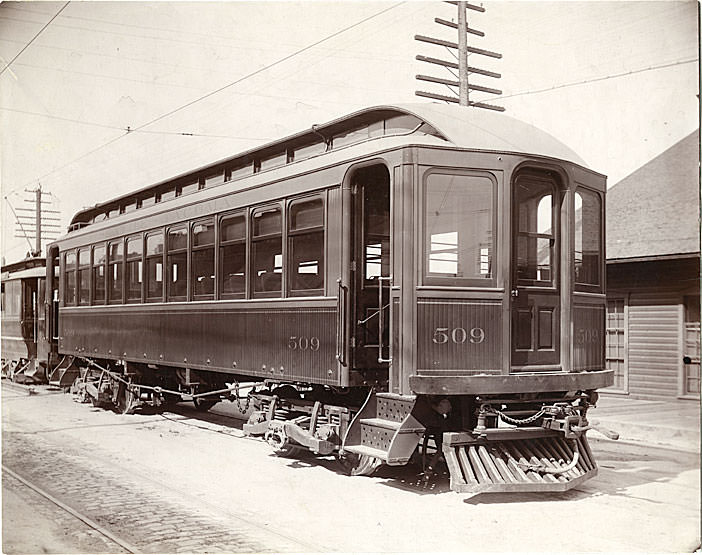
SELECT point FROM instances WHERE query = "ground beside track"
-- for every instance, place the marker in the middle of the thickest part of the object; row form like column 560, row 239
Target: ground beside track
column 644, row 499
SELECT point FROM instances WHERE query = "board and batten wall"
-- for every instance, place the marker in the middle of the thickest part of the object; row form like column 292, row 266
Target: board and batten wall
column 647, row 322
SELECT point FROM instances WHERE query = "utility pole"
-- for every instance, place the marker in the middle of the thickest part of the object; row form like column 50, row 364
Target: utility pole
column 464, row 69
column 32, row 221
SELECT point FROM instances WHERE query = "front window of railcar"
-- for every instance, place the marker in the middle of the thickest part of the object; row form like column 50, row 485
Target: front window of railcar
column 588, row 240
column 267, row 252
column 459, row 231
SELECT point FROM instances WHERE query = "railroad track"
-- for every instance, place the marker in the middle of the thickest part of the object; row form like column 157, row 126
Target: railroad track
column 101, row 530
column 136, row 512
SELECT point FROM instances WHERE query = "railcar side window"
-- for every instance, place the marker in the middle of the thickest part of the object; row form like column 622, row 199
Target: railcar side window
column 459, row 229
column 588, row 239
column 267, row 252
column 177, row 264
column 203, row 269
column 84, row 276
column 154, row 266
column 534, row 201
column 99, row 274
column 232, row 256
column 134, row 269
column 115, row 253
column 69, row 269
column 306, row 247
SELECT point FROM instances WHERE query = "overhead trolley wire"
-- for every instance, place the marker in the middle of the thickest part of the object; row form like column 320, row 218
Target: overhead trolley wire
column 34, row 38
column 208, row 95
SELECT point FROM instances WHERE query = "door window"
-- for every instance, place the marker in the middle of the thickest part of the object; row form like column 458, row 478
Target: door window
column 534, row 203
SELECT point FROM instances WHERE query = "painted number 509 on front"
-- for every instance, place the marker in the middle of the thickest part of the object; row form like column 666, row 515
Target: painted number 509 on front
column 458, row 336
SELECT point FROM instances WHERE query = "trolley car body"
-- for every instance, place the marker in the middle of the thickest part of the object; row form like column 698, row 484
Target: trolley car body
column 23, row 320
column 415, row 250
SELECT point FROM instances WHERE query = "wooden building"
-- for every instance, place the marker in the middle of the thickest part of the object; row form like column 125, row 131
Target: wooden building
column 653, row 277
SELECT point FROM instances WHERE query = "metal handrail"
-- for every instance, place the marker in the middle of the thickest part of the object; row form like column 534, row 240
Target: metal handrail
column 381, row 317
column 341, row 324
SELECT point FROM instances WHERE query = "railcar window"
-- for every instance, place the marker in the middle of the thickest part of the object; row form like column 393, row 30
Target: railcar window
column 148, row 201
column 214, row 179
column 203, row 269
column 232, row 256
column 134, row 269
column 130, row 207
column 177, row 264
column 267, row 252
column 459, row 229
column 99, row 275
column 241, row 171
column 115, row 253
column 535, row 237
column 307, row 151
column 187, row 189
column 83, row 276
column 306, row 247
column 273, row 161
column 168, row 195
column 69, row 269
column 588, row 239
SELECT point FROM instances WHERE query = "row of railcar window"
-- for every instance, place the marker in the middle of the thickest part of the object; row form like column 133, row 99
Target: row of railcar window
column 236, row 255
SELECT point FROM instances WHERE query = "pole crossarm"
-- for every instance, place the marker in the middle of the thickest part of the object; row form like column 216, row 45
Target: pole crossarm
column 468, row 6
column 455, row 26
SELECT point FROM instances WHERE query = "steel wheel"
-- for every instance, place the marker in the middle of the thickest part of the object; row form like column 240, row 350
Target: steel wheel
column 359, row 465
column 126, row 400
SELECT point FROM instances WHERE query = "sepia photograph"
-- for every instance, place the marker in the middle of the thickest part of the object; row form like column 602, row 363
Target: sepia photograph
column 350, row 276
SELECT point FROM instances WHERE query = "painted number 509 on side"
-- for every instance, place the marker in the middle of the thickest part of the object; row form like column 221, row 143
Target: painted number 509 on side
column 458, row 336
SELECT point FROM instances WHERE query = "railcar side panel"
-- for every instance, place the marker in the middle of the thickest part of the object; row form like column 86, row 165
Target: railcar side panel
column 277, row 342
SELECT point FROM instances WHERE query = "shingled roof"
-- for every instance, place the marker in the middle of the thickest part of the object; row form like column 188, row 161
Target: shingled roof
column 654, row 212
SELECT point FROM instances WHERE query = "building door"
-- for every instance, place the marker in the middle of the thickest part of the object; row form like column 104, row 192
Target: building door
column 615, row 356
column 691, row 346
column 371, row 267
column 535, row 285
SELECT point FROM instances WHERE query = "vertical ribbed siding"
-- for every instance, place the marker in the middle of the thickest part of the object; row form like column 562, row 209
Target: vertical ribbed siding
column 654, row 345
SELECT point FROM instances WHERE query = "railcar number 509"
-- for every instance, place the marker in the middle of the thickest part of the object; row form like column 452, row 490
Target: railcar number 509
column 458, row 335
column 303, row 343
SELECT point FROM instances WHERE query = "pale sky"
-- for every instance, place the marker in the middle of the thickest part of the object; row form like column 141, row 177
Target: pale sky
column 616, row 81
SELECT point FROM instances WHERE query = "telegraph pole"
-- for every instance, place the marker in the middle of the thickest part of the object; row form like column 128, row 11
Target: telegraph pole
column 32, row 221
column 462, row 55
column 464, row 69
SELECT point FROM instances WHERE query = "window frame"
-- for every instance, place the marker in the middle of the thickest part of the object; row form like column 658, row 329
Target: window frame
column 86, row 267
column 66, row 271
column 93, row 280
column 290, row 236
column 173, row 252
column 140, row 238
column 590, row 287
column 254, row 239
column 146, row 259
column 219, row 262
column 437, row 280
column 109, row 280
column 195, row 249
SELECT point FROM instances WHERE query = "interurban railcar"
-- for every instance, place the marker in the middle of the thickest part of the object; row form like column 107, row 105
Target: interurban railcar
column 400, row 277
column 23, row 320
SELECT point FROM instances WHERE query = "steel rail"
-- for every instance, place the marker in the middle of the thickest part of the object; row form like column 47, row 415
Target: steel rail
column 94, row 525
